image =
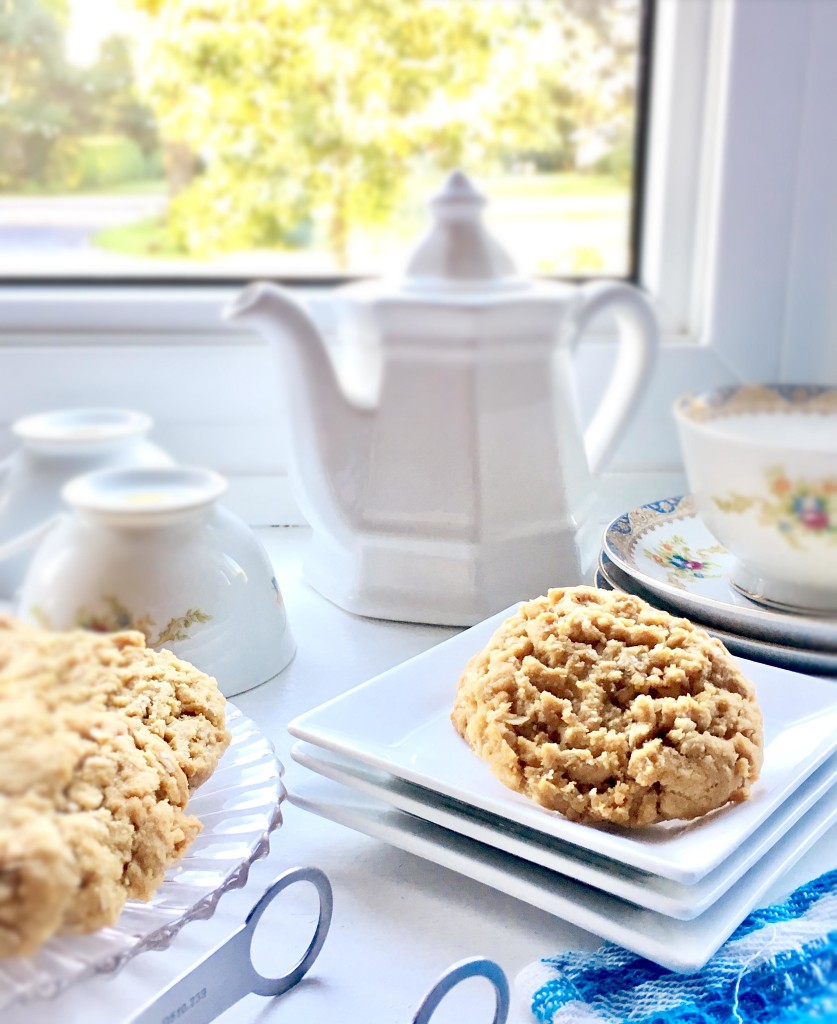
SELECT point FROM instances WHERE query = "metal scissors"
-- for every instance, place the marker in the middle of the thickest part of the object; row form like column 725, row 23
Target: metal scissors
column 474, row 967
column 227, row 973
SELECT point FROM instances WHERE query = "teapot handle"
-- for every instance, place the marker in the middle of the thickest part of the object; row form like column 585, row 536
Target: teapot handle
column 638, row 342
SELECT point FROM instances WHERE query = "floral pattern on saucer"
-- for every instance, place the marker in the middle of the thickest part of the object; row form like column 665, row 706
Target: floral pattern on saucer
column 676, row 555
column 624, row 532
column 633, row 539
column 798, row 508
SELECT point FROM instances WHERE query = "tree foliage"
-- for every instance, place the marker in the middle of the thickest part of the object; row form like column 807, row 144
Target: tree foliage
column 33, row 81
column 304, row 113
column 47, row 105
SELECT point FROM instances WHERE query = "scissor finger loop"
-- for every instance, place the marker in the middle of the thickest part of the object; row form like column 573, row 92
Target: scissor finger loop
column 277, row 986
column 471, row 968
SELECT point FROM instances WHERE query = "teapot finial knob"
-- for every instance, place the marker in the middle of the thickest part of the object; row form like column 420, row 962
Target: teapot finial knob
column 458, row 196
column 458, row 250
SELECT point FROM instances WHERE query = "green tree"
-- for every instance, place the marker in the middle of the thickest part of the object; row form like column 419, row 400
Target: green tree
column 111, row 104
column 286, row 114
column 302, row 110
column 584, row 58
column 48, row 106
column 34, row 80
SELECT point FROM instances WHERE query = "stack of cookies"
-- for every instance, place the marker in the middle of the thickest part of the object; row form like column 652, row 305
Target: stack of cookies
column 102, row 740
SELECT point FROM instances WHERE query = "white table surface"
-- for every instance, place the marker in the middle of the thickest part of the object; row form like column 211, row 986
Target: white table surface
column 399, row 921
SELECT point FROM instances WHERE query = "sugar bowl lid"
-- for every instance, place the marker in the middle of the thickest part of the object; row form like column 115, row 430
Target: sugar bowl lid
column 458, row 253
column 144, row 496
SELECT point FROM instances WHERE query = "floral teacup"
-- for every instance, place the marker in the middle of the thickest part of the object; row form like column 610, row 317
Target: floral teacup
column 762, row 467
column 151, row 550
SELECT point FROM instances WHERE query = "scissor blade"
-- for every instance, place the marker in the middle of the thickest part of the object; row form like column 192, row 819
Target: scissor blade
column 202, row 993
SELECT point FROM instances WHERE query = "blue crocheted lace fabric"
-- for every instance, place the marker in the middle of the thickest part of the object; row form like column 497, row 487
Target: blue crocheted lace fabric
column 780, row 966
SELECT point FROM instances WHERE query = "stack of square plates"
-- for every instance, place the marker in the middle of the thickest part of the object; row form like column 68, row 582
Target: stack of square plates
column 665, row 554
column 389, row 763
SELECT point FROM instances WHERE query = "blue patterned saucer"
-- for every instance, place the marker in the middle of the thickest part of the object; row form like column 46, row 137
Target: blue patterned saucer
column 668, row 550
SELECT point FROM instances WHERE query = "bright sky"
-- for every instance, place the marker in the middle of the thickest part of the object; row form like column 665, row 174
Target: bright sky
column 91, row 22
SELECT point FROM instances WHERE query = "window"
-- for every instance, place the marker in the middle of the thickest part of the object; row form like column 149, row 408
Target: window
column 225, row 139
column 739, row 226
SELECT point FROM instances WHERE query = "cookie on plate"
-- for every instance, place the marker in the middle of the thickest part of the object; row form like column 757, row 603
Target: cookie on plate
column 595, row 704
column 116, row 671
column 101, row 742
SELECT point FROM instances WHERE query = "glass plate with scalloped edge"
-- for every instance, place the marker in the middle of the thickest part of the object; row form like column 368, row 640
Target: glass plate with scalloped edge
column 239, row 806
column 399, row 722
column 666, row 547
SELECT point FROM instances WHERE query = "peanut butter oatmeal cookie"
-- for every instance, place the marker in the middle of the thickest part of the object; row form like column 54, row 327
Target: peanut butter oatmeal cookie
column 116, row 671
column 597, row 705
column 101, row 742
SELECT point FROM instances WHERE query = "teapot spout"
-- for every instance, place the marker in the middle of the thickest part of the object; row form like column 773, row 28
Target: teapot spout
column 329, row 435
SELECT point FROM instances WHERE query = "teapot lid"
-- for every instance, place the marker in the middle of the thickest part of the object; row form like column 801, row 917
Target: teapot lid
column 458, row 253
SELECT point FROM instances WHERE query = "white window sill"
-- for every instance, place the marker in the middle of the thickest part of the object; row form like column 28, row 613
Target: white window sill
column 217, row 395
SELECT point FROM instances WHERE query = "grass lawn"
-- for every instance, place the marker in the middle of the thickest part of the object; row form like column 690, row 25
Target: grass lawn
column 533, row 186
column 150, row 187
column 148, row 237
column 141, row 187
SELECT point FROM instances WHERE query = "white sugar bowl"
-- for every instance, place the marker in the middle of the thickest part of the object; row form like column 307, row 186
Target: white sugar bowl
column 151, row 549
column 53, row 448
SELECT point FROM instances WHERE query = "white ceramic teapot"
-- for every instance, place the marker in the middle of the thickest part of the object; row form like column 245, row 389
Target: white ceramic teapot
column 461, row 485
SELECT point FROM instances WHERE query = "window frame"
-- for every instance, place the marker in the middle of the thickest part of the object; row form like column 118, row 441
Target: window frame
column 741, row 214
column 742, row 152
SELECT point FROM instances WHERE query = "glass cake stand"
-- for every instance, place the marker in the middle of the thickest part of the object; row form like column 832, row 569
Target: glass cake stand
column 239, row 806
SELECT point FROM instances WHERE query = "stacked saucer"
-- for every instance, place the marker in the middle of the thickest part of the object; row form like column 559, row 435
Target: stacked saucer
column 386, row 761
column 664, row 553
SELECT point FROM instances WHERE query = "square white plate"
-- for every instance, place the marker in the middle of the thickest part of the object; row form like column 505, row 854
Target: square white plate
column 678, row 945
column 673, row 899
column 399, row 723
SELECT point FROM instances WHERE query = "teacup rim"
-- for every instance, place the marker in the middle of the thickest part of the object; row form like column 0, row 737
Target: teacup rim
column 708, row 409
